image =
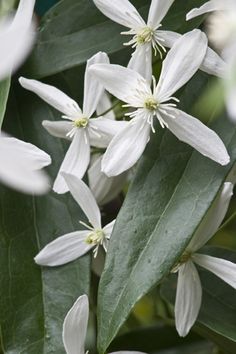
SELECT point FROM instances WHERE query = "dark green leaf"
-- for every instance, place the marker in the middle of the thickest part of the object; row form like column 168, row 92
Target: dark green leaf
column 74, row 30
column 173, row 189
column 4, row 91
column 34, row 301
column 216, row 319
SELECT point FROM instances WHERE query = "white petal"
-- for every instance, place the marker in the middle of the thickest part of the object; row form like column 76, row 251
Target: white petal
column 16, row 38
column 214, row 5
column 199, row 136
column 59, row 129
column 188, row 298
column 126, row 148
column 141, row 61
column 120, row 82
column 75, row 162
column 109, row 228
column 104, row 105
column 75, row 326
column 212, row 64
column 157, row 12
column 52, row 96
column 102, row 130
column 223, row 269
column 104, row 188
column 21, row 164
column 64, row 249
column 181, row 63
column 213, row 218
column 121, row 11
column 93, row 90
column 83, row 196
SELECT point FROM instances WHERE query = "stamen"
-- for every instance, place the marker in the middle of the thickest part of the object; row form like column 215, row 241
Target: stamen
column 183, row 259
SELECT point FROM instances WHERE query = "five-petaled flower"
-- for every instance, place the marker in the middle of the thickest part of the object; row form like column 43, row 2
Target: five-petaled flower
column 75, row 244
column 180, row 65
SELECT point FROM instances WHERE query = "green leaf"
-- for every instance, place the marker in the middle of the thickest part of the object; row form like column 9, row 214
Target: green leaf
column 216, row 319
column 4, row 91
column 173, row 188
column 74, row 30
column 34, row 301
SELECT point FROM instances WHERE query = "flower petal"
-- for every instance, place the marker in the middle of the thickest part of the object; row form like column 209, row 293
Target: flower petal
column 16, row 38
column 181, row 63
column 230, row 101
column 102, row 131
column 188, row 298
column 222, row 268
column 21, row 164
column 169, row 37
column 213, row 5
column 64, row 249
column 126, row 148
column 120, row 82
column 59, row 129
column 75, row 162
column 213, row 218
column 120, row 11
column 85, row 199
column 104, row 105
column 141, row 61
column 157, row 12
column 93, row 90
column 75, row 326
column 199, row 136
column 109, row 228
column 52, row 96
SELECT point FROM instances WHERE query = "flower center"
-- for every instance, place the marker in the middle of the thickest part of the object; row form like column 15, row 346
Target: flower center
column 151, row 104
column 144, row 36
column 96, row 237
column 183, row 259
column 81, row 122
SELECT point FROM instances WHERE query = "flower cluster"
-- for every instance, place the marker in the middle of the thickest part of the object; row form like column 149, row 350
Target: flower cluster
column 151, row 104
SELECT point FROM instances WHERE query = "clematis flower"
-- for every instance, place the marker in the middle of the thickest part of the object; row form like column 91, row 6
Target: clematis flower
column 79, row 126
column 189, row 290
column 16, row 38
column 75, row 244
column 148, row 36
column 21, row 164
column 179, row 66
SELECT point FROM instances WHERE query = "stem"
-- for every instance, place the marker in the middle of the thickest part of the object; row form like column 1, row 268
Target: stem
column 109, row 109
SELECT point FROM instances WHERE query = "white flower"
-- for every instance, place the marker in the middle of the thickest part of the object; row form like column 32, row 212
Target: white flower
column 189, row 290
column 178, row 67
column 148, row 35
column 75, row 244
column 80, row 127
column 75, row 328
column 21, row 164
column 16, row 38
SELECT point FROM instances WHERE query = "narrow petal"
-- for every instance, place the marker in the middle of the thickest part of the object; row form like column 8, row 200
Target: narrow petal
column 223, row 269
column 141, row 61
column 157, row 12
column 213, row 5
column 126, row 148
column 21, row 164
column 75, row 162
column 230, row 101
column 64, row 249
column 75, row 326
column 213, row 218
column 59, row 129
column 120, row 11
column 102, row 131
column 109, row 228
column 181, row 63
column 104, row 105
column 169, row 37
column 120, row 82
column 52, row 96
column 83, row 196
column 188, row 298
column 199, row 136
column 16, row 38
column 93, row 90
